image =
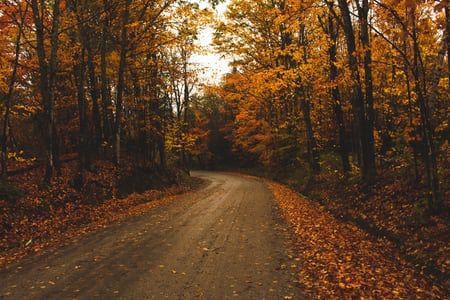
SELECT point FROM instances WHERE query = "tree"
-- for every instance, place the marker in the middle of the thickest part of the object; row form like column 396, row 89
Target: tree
column 19, row 17
column 332, row 30
column 47, row 72
column 374, row 65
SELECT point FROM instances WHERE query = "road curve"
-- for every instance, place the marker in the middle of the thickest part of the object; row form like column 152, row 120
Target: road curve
column 224, row 241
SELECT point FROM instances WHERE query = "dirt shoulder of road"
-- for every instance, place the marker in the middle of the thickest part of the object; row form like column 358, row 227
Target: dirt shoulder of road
column 79, row 219
column 340, row 260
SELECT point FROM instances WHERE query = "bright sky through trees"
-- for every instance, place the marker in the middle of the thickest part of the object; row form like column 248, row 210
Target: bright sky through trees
column 212, row 65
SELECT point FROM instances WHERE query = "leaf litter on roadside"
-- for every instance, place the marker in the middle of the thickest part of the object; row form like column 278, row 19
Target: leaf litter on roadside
column 339, row 260
column 48, row 217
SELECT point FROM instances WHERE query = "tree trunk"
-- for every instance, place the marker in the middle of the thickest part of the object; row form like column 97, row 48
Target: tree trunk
column 186, row 99
column 313, row 157
column 47, row 76
column 79, row 74
column 358, row 104
column 121, row 82
column 363, row 12
column 98, row 133
column 160, row 110
column 9, row 95
column 335, row 94
column 303, row 95
column 106, row 100
column 434, row 199
column 447, row 37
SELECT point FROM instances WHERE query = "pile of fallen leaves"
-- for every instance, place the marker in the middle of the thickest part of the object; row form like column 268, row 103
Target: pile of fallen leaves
column 43, row 217
column 339, row 260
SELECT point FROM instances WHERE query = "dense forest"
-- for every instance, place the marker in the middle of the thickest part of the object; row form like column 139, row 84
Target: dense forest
column 95, row 105
column 368, row 82
column 96, row 77
column 346, row 101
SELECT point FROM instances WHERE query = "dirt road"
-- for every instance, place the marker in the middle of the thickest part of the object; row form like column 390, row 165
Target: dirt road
column 224, row 241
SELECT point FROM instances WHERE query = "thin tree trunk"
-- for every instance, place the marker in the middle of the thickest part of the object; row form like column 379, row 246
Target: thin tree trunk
column 106, row 100
column 434, row 199
column 358, row 104
column 79, row 74
column 121, row 82
column 411, row 124
column 47, row 77
column 304, row 98
column 335, row 93
column 54, row 38
column 313, row 157
column 186, row 100
column 447, row 37
column 98, row 132
column 410, row 103
column 363, row 12
column 160, row 110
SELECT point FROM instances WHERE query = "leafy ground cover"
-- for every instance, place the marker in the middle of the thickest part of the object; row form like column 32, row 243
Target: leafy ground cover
column 393, row 207
column 340, row 260
column 38, row 217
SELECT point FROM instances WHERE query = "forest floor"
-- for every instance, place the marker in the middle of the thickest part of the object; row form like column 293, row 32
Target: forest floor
column 34, row 218
column 339, row 260
column 393, row 209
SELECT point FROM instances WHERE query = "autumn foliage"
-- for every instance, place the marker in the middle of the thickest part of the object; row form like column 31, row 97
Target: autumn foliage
column 95, row 106
column 346, row 101
column 364, row 82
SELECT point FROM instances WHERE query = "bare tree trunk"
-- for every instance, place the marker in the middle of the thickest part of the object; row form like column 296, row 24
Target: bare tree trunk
column 106, row 100
column 186, row 100
column 335, row 93
column 313, row 156
column 121, row 82
column 79, row 74
column 160, row 111
column 162, row 151
column 363, row 12
column 98, row 132
column 54, row 39
column 304, row 98
column 358, row 98
column 47, row 77
column 447, row 37
column 410, row 102
column 434, row 199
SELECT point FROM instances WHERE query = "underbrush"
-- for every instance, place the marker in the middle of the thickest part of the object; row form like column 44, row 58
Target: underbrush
column 340, row 261
column 41, row 215
column 394, row 208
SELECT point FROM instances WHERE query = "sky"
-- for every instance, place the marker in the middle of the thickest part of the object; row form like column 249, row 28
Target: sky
column 212, row 65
